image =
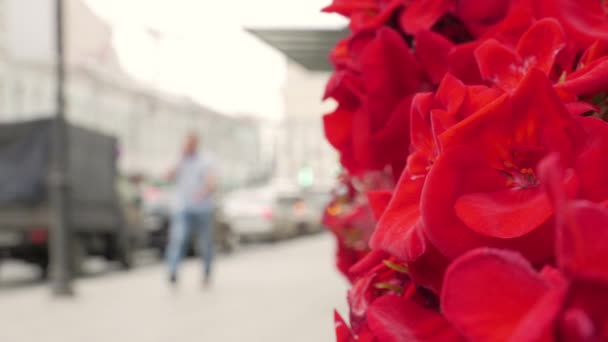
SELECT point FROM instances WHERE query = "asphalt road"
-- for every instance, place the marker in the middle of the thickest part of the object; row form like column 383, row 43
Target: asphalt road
column 267, row 293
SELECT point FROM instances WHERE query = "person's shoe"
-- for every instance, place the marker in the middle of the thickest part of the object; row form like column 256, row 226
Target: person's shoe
column 173, row 279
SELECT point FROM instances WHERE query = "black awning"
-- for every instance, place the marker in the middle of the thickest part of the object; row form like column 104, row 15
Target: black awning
column 307, row 47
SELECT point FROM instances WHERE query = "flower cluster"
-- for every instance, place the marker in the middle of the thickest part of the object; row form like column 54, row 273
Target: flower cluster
column 475, row 202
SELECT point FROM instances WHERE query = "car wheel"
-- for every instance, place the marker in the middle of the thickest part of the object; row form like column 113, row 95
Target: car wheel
column 302, row 229
column 230, row 240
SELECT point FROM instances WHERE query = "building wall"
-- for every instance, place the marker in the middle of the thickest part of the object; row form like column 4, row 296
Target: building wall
column 302, row 143
column 149, row 125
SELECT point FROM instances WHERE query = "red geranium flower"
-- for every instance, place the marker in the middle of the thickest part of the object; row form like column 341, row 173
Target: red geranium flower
column 586, row 21
column 365, row 14
column 482, row 190
column 537, row 48
column 386, row 306
column 462, row 101
column 495, row 295
column 370, row 125
column 400, row 229
column 398, row 319
column 421, row 15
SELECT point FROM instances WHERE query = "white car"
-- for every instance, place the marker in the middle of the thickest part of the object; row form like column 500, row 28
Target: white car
column 258, row 213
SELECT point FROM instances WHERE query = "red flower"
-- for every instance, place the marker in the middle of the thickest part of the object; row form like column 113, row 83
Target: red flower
column 483, row 191
column 585, row 20
column 484, row 237
column 365, row 14
column 529, row 306
column 397, row 319
column 370, row 125
column 400, row 230
column 386, row 306
column 488, row 294
column 462, row 63
column 349, row 216
column 345, row 334
column 589, row 79
column 432, row 50
column 537, row 48
column 386, row 277
column 421, row 15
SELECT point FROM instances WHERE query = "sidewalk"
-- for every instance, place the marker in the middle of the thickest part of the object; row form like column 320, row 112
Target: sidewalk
column 283, row 292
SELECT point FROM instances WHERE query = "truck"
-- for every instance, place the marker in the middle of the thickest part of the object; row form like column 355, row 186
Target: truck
column 97, row 224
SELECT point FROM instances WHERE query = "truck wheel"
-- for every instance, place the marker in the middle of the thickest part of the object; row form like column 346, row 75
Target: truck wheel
column 44, row 270
column 230, row 240
column 126, row 260
column 125, row 254
column 79, row 255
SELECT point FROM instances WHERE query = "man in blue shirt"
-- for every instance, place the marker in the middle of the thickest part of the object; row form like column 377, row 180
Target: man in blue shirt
column 192, row 208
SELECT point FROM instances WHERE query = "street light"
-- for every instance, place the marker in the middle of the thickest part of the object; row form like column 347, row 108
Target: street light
column 60, row 246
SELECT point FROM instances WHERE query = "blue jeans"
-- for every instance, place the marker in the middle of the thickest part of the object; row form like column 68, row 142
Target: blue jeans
column 183, row 224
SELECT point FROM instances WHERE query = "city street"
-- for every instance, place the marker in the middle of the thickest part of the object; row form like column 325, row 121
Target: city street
column 272, row 292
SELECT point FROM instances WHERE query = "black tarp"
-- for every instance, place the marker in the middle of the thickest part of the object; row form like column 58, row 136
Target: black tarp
column 24, row 158
column 24, row 164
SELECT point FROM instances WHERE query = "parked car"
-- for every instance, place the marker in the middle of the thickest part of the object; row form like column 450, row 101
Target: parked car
column 95, row 214
column 156, row 206
column 316, row 200
column 273, row 211
column 131, row 204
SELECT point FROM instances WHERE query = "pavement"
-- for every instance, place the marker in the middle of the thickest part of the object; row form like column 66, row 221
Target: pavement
column 275, row 292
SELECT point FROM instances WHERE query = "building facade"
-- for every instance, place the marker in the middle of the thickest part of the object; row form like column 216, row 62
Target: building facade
column 149, row 125
column 302, row 147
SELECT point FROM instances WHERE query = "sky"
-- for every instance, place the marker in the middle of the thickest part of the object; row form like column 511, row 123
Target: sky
column 198, row 48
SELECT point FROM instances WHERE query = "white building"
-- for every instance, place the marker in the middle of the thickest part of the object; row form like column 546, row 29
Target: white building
column 302, row 143
column 148, row 124
column 302, row 147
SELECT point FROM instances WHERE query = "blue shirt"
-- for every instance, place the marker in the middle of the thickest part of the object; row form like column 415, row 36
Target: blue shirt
column 192, row 174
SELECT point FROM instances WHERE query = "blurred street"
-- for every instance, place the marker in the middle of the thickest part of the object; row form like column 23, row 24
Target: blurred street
column 278, row 292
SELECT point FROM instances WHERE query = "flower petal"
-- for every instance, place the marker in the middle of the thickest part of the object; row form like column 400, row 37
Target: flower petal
column 343, row 332
column 344, row 87
column 371, row 260
column 452, row 94
column 582, row 240
column 541, row 43
column 585, row 316
column 423, row 14
column 428, row 269
column 592, row 161
column 539, row 323
column 378, row 201
column 480, row 13
column 420, row 130
column 459, row 169
column 432, row 51
column 463, row 65
column 583, row 20
column 396, row 319
column 486, row 292
column 499, row 65
column 390, row 73
column 505, row 214
column 338, row 126
column 590, row 80
column 396, row 229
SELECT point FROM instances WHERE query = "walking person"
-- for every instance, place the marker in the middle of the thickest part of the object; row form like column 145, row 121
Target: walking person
column 192, row 209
